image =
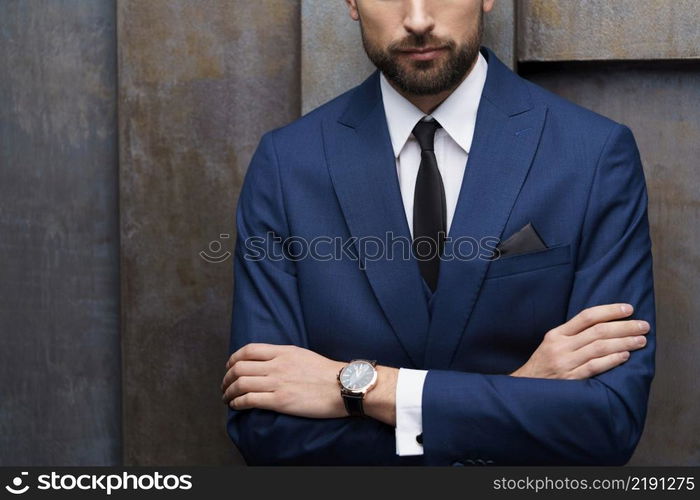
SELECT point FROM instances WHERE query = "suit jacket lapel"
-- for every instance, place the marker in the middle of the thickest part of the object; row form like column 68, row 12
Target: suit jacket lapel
column 508, row 129
column 363, row 171
column 362, row 167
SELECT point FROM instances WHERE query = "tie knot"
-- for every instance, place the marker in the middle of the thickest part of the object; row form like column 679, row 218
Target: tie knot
column 424, row 132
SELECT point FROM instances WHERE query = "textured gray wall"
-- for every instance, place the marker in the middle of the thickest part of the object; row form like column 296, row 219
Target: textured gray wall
column 332, row 58
column 499, row 31
column 59, row 302
column 558, row 30
column 660, row 103
column 199, row 82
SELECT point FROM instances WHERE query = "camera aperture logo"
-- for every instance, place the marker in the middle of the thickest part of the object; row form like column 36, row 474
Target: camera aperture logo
column 104, row 482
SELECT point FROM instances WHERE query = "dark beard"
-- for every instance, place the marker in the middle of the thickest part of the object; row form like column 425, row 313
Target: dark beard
column 420, row 80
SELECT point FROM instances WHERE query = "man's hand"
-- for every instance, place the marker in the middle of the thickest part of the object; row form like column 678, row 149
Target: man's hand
column 586, row 345
column 296, row 381
column 284, row 378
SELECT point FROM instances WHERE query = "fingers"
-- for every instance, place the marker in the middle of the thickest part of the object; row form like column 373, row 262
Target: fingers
column 247, row 384
column 262, row 400
column 597, row 366
column 244, row 367
column 605, row 347
column 253, row 351
column 594, row 315
column 609, row 330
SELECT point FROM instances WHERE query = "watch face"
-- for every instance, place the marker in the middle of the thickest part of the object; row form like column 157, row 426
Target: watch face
column 357, row 375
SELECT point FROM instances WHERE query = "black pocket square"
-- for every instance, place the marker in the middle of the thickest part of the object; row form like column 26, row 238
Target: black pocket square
column 522, row 241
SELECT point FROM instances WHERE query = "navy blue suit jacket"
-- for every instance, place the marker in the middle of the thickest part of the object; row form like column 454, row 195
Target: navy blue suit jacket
column 535, row 157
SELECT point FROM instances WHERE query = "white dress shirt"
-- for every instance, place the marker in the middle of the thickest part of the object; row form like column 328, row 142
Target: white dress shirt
column 457, row 115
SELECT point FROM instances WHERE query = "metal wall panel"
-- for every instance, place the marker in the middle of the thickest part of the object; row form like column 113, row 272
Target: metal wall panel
column 659, row 102
column 199, row 82
column 333, row 59
column 59, row 278
column 558, row 30
column 499, row 31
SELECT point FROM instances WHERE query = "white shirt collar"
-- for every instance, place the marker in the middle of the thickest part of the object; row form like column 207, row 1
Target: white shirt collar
column 456, row 114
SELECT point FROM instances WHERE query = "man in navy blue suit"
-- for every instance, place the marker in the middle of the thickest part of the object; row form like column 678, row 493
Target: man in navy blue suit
column 445, row 265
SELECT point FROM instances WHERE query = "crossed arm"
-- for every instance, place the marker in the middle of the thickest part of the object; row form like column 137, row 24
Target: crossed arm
column 576, row 401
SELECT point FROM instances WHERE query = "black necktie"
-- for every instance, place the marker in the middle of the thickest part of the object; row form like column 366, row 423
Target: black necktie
column 429, row 210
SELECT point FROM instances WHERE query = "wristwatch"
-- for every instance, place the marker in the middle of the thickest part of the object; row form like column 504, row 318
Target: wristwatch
column 356, row 379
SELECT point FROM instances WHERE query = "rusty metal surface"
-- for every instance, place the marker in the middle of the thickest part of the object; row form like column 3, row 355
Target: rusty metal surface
column 660, row 104
column 333, row 59
column 561, row 30
column 199, row 82
column 59, row 278
column 499, row 31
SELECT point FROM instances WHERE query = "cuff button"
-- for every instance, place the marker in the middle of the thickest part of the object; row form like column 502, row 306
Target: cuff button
column 419, row 438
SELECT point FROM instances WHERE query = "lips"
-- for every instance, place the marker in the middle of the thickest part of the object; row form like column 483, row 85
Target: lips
column 423, row 53
column 421, row 50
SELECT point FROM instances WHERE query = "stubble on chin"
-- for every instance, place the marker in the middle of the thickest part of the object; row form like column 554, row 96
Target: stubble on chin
column 425, row 77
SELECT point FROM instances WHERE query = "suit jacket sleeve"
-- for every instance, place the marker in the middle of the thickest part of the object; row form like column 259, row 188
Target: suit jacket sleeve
column 594, row 421
column 266, row 308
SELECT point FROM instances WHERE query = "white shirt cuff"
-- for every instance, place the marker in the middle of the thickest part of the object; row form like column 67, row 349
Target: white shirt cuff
column 409, row 419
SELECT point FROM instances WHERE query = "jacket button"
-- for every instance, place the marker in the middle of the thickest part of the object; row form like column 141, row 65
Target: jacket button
column 454, row 464
column 469, row 461
column 480, row 461
column 419, row 438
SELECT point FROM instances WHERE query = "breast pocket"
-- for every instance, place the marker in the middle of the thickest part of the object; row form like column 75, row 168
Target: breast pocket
column 531, row 261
